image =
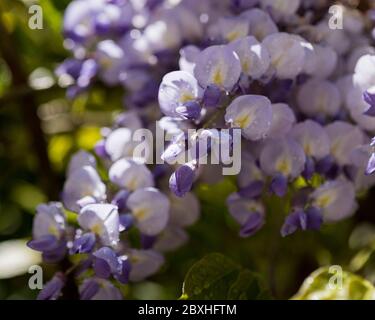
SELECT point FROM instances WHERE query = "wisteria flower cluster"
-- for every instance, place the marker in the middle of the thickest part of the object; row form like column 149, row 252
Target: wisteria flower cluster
column 301, row 94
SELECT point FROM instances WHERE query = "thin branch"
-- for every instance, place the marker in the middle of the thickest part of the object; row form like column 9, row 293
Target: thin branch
column 28, row 108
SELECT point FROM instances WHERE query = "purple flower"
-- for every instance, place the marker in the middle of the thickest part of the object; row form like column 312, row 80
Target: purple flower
column 48, row 232
column 311, row 219
column 279, row 185
column 247, row 212
column 182, row 180
column 176, row 89
column 99, row 289
column 144, row 263
column 88, row 289
column 293, row 222
column 252, row 225
column 85, row 185
column 282, row 156
column 150, row 209
column 131, row 175
column 283, row 119
column 102, row 220
column 190, row 110
column 251, row 113
column 111, row 58
column 218, row 65
column 369, row 98
column 371, row 165
column 81, row 159
column 287, row 54
column 49, row 220
column 80, row 73
column 170, row 239
column 280, row 7
column 119, row 144
column 106, row 263
column 344, row 137
column 335, row 199
column 233, row 28
column 126, row 222
column 52, row 289
column 254, row 57
column 83, row 243
column 260, row 23
column 253, row 190
column 313, row 139
column 212, row 96
column 125, row 267
column 318, row 97
column 120, row 199
column 85, row 19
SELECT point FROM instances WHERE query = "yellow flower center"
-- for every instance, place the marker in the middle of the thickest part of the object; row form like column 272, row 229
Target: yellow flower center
column 283, row 165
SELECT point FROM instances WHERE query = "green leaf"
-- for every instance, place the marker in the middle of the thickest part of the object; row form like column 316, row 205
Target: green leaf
column 329, row 284
column 210, row 278
column 248, row 285
column 218, row 277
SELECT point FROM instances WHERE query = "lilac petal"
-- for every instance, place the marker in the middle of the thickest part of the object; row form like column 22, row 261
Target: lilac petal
column 103, row 220
column 105, row 262
column 150, row 209
column 314, row 219
column 88, row 289
column 218, row 65
column 83, row 244
column 212, row 96
column 123, row 275
column 172, row 152
column 371, row 165
column 324, row 165
column 131, row 174
column 49, row 217
column 100, row 150
column 181, row 180
column 120, row 198
column 279, row 185
column 253, row 190
column 370, row 99
column 252, row 225
column 52, row 289
column 153, row 4
column 190, row 110
column 293, row 222
column 107, row 291
column 147, row 241
column 309, row 170
column 80, row 159
column 44, row 243
column 177, row 88
column 370, row 111
column 334, row 172
column 126, row 221
column 144, row 263
column 85, row 182
column 56, row 254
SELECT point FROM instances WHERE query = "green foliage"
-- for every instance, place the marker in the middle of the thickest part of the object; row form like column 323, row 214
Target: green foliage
column 330, row 284
column 218, row 277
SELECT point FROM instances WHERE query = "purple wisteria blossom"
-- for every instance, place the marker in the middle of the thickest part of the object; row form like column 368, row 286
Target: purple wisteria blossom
column 300, row 95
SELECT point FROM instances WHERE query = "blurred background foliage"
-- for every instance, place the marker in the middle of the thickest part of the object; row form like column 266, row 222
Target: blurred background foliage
column 40, row 129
